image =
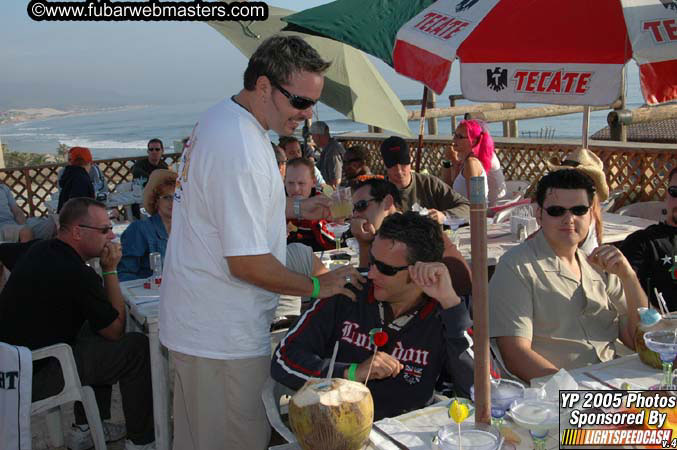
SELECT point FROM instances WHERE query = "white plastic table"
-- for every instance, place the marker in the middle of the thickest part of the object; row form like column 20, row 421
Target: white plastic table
column 143, row 307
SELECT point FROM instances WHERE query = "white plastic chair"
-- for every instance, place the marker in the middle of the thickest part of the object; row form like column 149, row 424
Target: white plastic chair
column 271, row 395
column 611, row 201
column 515, row 189
column 72, row 391
column 652, row 210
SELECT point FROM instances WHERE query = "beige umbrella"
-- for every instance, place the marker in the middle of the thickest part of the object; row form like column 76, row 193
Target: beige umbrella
column 352, row 85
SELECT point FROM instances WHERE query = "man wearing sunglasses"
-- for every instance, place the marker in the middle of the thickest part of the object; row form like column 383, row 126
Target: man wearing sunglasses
column 331, row 153
column 653, row 252
column 355, row 164
column 410, row 297
column 550, row 305
column 144, row 167
column 52, row 296
column 428, row 191
column 374, row 200
column 225, row 262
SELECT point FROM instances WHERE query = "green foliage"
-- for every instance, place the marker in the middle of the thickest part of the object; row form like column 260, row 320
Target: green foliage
column 22, row 159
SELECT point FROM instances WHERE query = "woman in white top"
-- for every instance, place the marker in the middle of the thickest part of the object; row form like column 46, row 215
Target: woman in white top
column 472, row 155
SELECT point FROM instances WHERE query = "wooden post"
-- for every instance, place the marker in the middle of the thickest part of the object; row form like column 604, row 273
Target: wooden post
column 432, row 122
column 480, row 290
column 452, row 104
column 586, row 125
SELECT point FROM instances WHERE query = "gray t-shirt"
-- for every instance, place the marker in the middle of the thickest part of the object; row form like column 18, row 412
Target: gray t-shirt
column 6, row 202
column 300, row 260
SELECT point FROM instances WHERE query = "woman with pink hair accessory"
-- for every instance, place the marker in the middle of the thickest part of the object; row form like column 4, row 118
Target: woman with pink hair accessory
column 472, row 155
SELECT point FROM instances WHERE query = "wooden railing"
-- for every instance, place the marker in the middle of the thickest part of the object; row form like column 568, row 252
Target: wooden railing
column 640, row 169
column 32, row 185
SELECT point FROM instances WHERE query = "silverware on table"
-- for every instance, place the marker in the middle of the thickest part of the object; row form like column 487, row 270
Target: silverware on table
column 397, row 443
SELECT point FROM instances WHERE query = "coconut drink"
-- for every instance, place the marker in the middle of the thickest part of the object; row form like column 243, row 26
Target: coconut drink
column 333, row 414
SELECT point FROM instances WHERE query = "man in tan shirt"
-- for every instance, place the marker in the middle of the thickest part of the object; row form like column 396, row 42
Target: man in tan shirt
column 553, row 307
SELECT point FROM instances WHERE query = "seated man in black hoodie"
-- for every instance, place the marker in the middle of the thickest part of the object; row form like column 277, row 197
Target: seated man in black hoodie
column 75, row 181
column 409, row 296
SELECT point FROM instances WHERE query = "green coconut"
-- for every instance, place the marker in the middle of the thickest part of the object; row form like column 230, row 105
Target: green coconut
column 333, row 414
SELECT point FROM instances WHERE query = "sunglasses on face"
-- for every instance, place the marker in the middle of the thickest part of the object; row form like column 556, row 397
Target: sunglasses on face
column 557, row 211
column 672, row 190
column 384, row 268
column 460, row 136
column 296, row 101
column 154, row 149
column 102, row 230
column 362, row 205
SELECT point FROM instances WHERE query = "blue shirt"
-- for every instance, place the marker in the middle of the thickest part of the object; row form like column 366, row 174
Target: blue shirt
column 139, row 240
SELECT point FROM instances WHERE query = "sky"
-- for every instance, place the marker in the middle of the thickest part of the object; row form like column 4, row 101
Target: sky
column 133, row 62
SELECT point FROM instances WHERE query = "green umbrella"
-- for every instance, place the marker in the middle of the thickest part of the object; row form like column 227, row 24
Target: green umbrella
column 352, row 85
column 370, row 26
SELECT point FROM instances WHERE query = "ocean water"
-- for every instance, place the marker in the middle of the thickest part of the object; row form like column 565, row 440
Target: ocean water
column 121, row 133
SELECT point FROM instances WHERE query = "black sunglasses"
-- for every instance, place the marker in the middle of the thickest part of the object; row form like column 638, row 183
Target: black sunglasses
column 361, row 205
column 557, row 211
column 672, row 190
column 296, row 101
column 384, row 268
column 102, row 230
column 154, row 149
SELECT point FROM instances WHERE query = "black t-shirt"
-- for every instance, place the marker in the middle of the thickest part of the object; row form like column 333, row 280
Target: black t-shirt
column 653, row 254
column 143, row 168
column 49, row 295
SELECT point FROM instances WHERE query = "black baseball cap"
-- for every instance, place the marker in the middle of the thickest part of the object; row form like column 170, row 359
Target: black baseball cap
column 395, row 150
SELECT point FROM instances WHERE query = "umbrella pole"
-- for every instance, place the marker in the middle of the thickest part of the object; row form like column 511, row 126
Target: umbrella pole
column 586, row 125
column 424, row 105
column 480, row 290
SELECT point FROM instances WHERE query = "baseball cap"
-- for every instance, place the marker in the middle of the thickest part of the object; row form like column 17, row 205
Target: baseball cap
column 395, row 150
column 80, row 153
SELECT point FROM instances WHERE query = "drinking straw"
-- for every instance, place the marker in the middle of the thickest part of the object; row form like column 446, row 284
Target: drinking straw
column 333, row 360
column 661, row 302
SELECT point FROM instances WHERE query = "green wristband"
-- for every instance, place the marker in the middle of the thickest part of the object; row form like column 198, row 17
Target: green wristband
column 351, row 372
column 316, row 288
column 112, row 272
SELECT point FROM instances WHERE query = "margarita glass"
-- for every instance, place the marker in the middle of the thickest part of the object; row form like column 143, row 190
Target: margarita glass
column 503, row 394
column 537, row 416
column 665, row 344
column 337, row 229
column 473, row 436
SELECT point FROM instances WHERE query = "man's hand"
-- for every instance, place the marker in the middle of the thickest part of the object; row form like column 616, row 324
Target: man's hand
column 384, row 366
column 610, row 259
column 436, row 215
column 433, row 278
column 334, row 282
column 315, row 208
column 362, row 230
column 110, row 256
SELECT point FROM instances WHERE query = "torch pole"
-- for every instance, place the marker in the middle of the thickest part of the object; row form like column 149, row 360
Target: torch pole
column 478, row 251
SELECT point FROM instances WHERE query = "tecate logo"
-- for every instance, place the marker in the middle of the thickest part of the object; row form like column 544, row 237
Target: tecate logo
column 551, row 82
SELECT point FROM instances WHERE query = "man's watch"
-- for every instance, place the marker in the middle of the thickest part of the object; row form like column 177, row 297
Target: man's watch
column 446, row 164
column 297, row 208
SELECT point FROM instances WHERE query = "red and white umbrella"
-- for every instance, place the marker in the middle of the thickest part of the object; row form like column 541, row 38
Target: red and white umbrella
column 543, row 51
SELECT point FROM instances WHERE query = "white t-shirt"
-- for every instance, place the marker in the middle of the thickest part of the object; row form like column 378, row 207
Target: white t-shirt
column 229, row 201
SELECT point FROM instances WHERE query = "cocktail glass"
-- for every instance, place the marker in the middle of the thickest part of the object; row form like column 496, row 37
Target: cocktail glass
column 474, row 436
column 503, row 394
column 665, row 344
column 341, row 204
column 537, row 416
column 337, row 229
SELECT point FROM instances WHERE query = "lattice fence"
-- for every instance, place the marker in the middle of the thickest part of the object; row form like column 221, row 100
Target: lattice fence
column 32, row 185
column 640, row 170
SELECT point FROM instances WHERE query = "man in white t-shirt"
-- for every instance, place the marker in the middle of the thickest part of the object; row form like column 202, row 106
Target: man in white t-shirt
column 224, row 266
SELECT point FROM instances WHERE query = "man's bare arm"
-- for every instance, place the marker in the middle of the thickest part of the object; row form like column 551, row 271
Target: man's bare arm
column 521, row 360
column 266, row 272
column 19, row 215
